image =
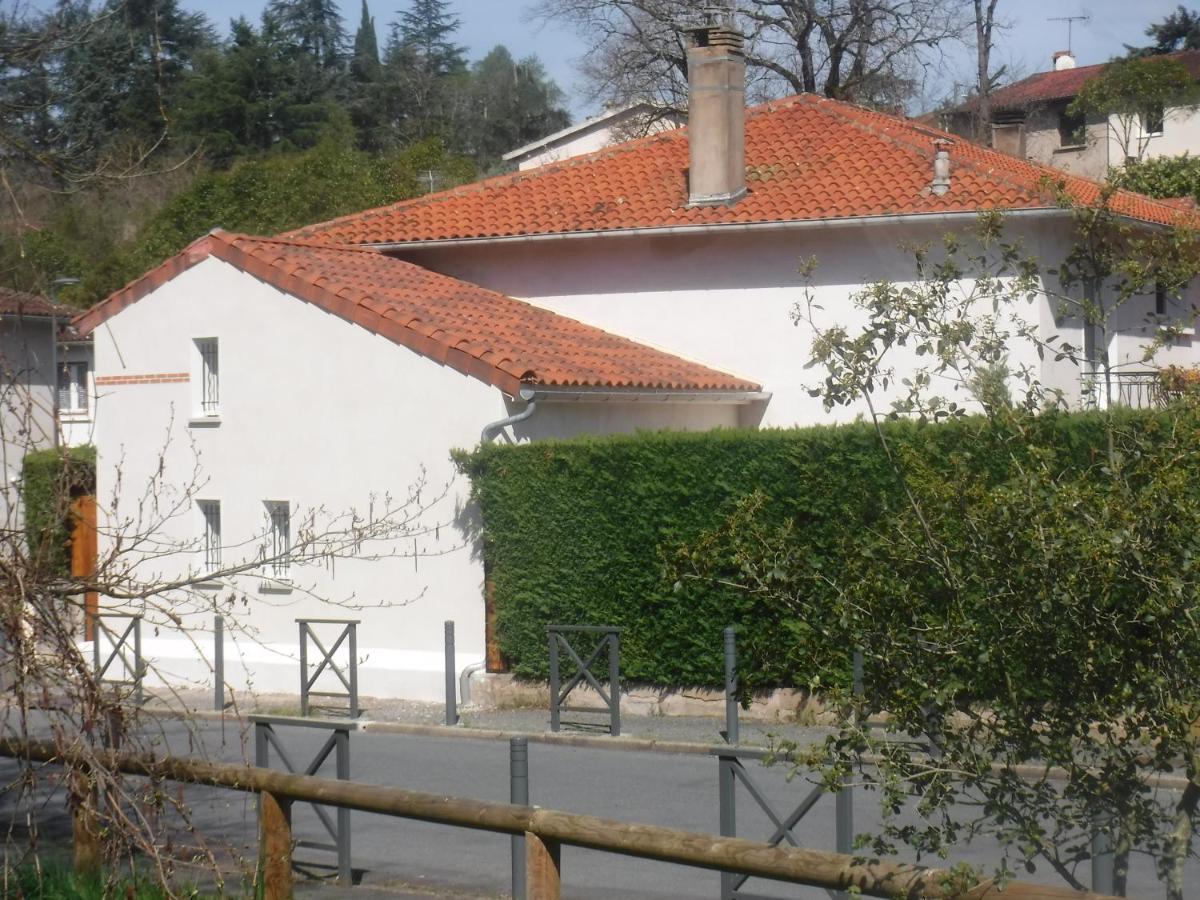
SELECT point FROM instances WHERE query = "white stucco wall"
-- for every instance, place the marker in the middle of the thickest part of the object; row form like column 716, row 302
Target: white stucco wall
column 323, row 414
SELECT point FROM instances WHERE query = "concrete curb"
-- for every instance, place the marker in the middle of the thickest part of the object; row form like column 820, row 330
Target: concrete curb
column 595, row 742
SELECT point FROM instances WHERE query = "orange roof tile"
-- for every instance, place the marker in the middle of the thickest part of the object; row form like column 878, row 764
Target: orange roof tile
column 19, row 303
column 499, row 340
column 807, row 158
column 1044, row 87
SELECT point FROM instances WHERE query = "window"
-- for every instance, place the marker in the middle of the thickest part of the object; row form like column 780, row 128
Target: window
column 1152, row 120
column 209, row 373
column 73, row 387
column 279, row 537
column 1072, row 129
column 210, row 511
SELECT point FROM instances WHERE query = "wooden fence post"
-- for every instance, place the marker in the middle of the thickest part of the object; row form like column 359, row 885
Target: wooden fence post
column 85, row 830
column 543, row 868
column 275, row 846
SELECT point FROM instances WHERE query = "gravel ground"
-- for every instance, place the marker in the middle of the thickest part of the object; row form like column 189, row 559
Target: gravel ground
column 691, row 729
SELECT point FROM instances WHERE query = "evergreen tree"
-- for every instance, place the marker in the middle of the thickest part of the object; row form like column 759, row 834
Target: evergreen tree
column 426, row 29
column 513, row 103
column 1180, row 30
column 313, row 26
column 121, row 85
column 364, row 66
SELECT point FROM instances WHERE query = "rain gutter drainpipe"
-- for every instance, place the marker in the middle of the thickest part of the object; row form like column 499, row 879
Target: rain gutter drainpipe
column 492, row 429
column 464, row 682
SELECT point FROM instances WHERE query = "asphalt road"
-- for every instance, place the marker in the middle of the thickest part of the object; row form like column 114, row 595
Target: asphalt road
column 651, row 787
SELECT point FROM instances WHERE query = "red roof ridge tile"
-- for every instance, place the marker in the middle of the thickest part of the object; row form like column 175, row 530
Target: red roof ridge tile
column 497, row 339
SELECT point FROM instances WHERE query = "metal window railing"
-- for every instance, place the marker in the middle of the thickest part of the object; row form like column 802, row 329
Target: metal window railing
column 211, row 510
column 1136, row 390
column 210, row 382
column 280, row 545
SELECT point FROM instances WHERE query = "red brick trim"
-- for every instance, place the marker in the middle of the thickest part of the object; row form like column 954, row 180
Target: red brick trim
column 154, row 378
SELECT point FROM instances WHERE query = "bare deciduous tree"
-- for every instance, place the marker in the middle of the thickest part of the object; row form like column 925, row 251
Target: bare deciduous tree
column 867, row 51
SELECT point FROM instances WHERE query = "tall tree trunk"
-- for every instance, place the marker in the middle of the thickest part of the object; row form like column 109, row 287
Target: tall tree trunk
column 985, row 19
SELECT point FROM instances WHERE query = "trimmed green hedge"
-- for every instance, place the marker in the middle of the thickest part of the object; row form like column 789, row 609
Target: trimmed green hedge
column 49, row 480
column 586, row 531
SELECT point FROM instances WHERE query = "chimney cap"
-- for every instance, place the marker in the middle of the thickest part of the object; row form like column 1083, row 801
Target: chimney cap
column 1063, row 59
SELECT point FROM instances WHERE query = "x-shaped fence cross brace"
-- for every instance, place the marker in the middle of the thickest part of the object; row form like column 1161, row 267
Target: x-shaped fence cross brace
column 339, row 741
column 120, row 649
column 610, row 639
column 347, row 676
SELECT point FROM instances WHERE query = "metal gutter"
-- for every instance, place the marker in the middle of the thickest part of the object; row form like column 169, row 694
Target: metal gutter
column 635, row 395
column 953, row 218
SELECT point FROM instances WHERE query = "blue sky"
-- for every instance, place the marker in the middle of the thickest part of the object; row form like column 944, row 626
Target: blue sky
column 1026, row 46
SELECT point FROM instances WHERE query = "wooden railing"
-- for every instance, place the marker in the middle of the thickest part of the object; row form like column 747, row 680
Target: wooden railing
column 545, row 831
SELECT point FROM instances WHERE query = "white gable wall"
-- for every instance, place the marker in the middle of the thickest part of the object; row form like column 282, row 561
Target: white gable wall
column 321, row 413
column 727, row 299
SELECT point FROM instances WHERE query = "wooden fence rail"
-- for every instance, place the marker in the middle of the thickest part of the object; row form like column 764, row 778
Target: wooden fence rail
column 544, row 831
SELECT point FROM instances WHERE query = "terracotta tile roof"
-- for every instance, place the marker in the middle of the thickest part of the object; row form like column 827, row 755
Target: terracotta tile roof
column 1045, row 87
column 807, row 158
column 489, row 336
column 19, row 303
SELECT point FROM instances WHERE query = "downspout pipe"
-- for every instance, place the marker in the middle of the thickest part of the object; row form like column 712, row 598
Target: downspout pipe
column 492, row 429
column 464, row 682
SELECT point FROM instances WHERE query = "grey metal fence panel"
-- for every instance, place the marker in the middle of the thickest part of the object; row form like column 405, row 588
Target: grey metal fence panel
column 346, row 673
column 558, row 639
column 337, row 826
column 128, row 641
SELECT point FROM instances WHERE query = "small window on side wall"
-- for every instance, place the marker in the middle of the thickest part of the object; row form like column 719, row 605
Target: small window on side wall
column 210, row 512
column 1153, row 120
column 279, row 537
column 73, row 388
column 208, row 371
column 1072, row 129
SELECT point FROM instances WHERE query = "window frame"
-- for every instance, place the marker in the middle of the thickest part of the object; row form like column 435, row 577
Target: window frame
column 208, row 377
column 77, row 390
column 279, row 538
column 1075, row 138
column 210, row 523
column 1148, row 117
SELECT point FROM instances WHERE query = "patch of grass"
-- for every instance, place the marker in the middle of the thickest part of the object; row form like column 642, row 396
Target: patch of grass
column 58, row 882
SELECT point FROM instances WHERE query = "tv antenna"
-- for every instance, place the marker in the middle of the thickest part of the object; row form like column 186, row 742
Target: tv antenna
column 1070, row 20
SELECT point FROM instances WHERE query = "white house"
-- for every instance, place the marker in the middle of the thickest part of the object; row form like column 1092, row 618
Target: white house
column 613, row 126
column 323, row 369
column 1030, row 119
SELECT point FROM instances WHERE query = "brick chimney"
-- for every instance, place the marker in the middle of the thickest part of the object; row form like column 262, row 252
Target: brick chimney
column 716, row 112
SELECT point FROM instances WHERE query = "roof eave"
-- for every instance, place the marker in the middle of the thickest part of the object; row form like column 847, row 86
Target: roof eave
column 723, row 228
column 585, row 394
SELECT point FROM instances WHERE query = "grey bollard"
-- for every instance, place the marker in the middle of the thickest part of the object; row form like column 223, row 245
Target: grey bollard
column 1103, row 863
column 731, row 686
column 518, row 776
column 218, row 663
column 451, row 685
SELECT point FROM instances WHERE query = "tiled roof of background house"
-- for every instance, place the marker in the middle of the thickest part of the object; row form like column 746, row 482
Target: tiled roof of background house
column 1045, row 87
column 492, row 337
column 807, row 158
column 19, row 303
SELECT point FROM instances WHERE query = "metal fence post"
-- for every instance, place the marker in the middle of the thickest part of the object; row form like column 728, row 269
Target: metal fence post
column 731, row 686
column 260, row 744
column 614, row 681
column 138, row 664
column 97, row 630
column 303, row 671
column 1103, row 862
column 727, row 801
column 451, row 698
column 342, row 763
column 352, row 640
column 553, row 680
column 518, row 793
column 218, row 663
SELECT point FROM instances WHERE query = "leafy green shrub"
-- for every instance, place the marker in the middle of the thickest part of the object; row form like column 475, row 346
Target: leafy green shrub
column 1164, row 176
column 614, row 530
column 49, row 480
